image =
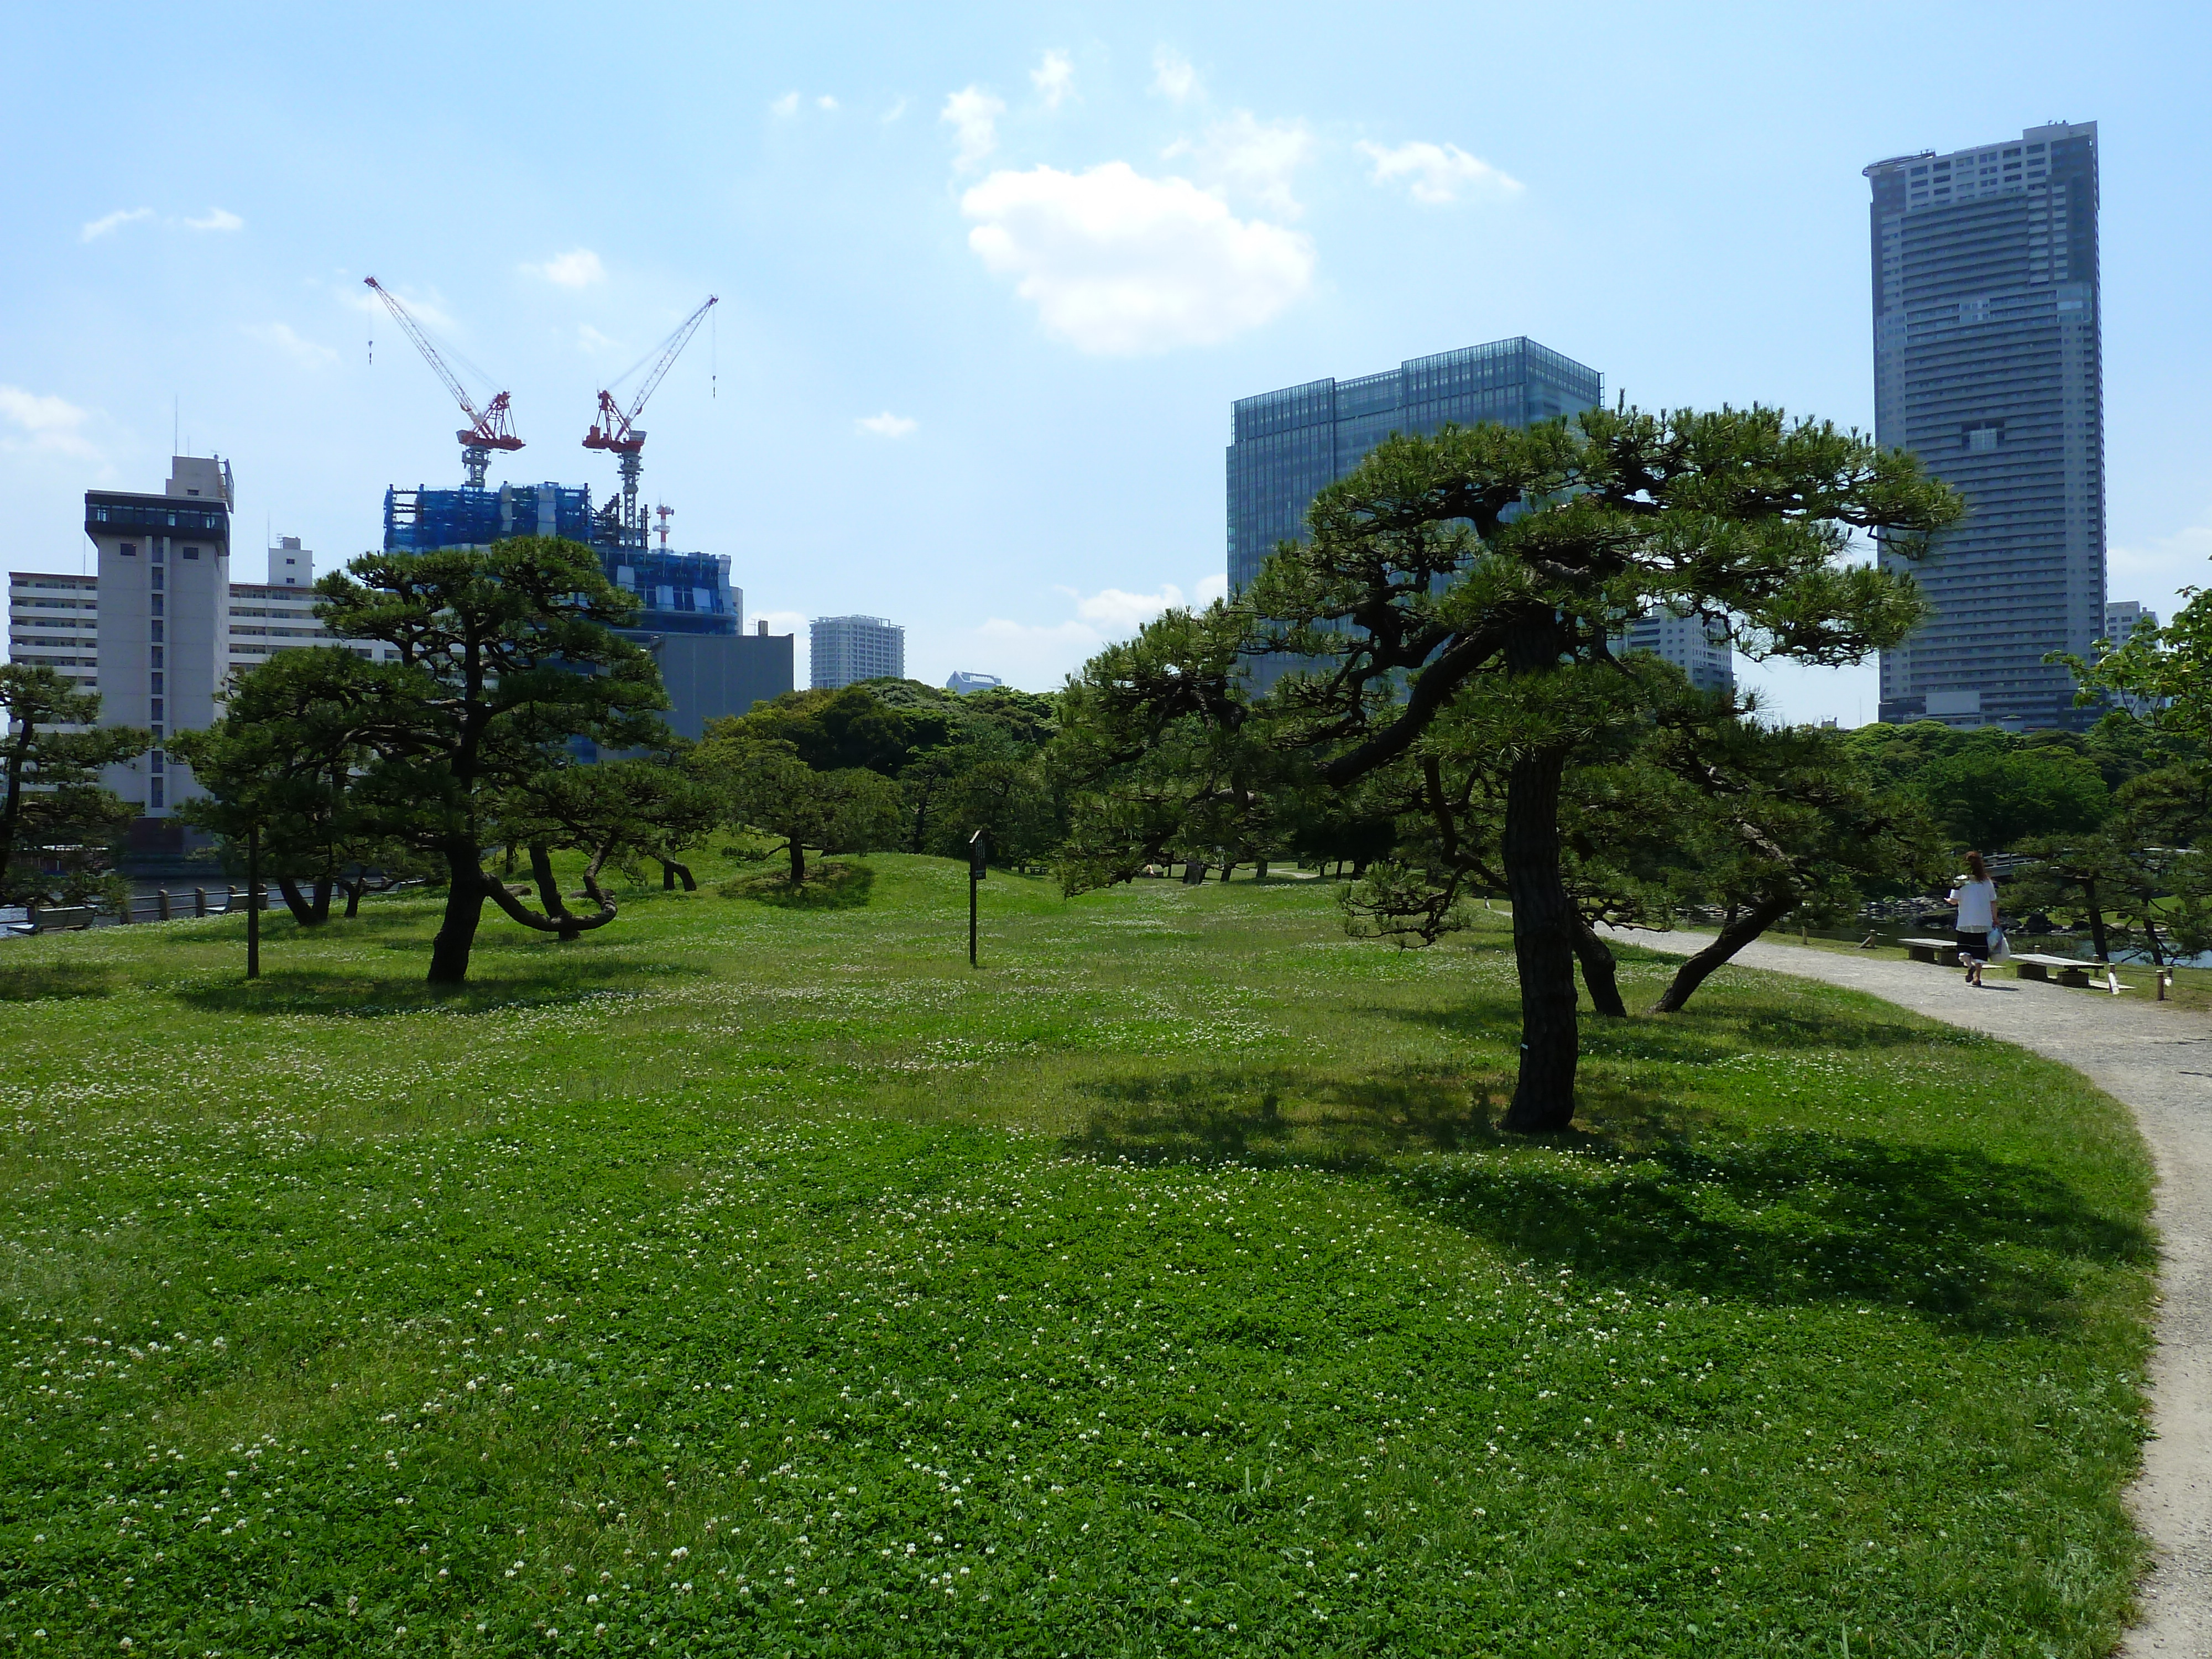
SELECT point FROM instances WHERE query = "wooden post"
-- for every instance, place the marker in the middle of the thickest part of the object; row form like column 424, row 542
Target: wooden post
column 199, row 901
column 978, row 850
column 161, row 903
column 253, row 904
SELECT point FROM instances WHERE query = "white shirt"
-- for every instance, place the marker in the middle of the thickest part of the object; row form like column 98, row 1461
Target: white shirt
column 1977, row 903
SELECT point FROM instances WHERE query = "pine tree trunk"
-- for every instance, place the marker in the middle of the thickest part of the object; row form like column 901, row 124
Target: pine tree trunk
column 1544, row 926
column 798, row 863
column 456, row 934
column 320, row 904
column 2096, row 922
column 548, row 890
column 353, row 898
column 1599, row 971
column 1732, row 937
column 296, row 902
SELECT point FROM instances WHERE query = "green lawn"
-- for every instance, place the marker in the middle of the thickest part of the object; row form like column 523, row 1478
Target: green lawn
column 740, row 1280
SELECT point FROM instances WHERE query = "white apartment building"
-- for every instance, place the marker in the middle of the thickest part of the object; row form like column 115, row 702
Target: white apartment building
column 1697, row 649
column 2124, row 616
column 846, row 649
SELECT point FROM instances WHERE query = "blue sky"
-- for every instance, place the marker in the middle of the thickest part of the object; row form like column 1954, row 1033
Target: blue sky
column 991, row 276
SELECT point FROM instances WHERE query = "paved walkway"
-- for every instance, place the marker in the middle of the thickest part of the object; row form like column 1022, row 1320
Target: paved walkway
column 2158, row 1059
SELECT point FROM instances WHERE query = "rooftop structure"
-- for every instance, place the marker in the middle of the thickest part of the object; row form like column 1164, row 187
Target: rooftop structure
column 963, row 682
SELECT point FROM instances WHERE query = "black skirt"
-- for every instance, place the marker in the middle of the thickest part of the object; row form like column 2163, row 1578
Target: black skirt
column 1975, row 945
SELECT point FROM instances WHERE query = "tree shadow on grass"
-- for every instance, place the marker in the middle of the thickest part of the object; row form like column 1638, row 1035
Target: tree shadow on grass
column 1698, row 1036
column 1286, row 1117
column 53, row 980
column 519, row 983
column 1657, row 1196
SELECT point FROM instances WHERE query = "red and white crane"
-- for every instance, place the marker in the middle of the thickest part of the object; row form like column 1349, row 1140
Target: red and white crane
column 616, row 428
column 488, row 428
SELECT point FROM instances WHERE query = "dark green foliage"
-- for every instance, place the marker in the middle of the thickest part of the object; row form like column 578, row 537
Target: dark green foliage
column 1989, row 799
column 964, row 764
column 1990, row 789
column 1164, row 756
column 764, row 786
column 282, row 762
column 502, row 657
column 835, row 730
column 58, row 827
column 1500, row 559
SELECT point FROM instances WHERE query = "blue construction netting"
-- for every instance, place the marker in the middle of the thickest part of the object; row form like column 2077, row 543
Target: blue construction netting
column 681, row 592
column 418, row 520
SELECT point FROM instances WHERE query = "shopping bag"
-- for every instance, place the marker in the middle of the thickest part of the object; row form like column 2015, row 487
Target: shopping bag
column 2000, row 948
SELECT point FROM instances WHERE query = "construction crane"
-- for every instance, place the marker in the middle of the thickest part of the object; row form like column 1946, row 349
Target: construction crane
column 488, row 428
column 616, row 430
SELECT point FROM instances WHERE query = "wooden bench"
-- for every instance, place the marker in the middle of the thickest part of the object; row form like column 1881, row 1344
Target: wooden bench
column 14, row 919
column 62, row 917
column 1943, row 952
column 2068, row 970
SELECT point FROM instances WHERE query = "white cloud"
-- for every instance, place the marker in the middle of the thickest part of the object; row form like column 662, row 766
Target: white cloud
column 308, row 354
column 591, row 340
column 1173, row 76
column 578, row 268
column 45, row 422
column 217, row 219
column 886, row 425
column 1210, row 588
column 107, row 223
column 780, row 622
column 1123, row 612
column 825, row 102
column 1040, row 655
column 786, row 105
column 975, row 115
column 1117, row 263
column 1055, row 78
column 1436, row 174
column 2155, row 571
column 893, row 112
column 1252, row 158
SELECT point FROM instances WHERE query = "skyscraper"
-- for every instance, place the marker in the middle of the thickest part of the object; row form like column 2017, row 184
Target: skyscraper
column 1987, row 367
column 843, row 650
column 1285, row 445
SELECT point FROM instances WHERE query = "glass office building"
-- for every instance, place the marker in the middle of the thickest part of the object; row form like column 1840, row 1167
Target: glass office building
column 1286, row 445
column 1987, row 363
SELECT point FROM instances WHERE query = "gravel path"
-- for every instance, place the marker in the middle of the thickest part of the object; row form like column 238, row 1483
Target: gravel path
column 2158, row 1059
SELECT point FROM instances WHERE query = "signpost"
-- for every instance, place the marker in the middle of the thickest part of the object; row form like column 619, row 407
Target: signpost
column 977, row 849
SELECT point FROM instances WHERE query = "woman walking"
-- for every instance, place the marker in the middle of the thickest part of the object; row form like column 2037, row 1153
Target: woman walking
column 1975, row 899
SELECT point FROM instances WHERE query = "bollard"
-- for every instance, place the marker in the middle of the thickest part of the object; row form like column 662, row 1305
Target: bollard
column 161, row 903
column 199, row 901
column 122, row 910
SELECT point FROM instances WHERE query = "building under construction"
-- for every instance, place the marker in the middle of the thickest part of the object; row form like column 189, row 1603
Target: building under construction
column 691, row 618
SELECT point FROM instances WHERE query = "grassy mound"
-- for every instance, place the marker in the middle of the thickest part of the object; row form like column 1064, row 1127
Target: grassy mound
column 828, row 886
column 752, row 1281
